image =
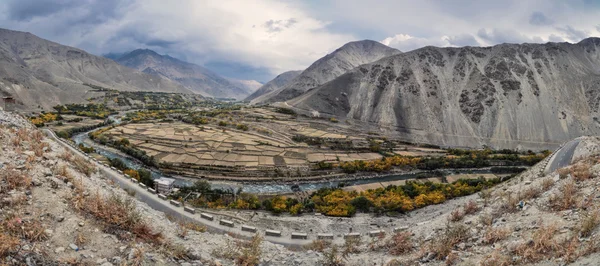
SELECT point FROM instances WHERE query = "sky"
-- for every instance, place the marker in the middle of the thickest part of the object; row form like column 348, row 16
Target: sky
column 259, row 39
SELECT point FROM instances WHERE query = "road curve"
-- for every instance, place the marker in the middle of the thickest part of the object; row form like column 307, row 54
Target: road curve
column 563, row 156
column 164, row 206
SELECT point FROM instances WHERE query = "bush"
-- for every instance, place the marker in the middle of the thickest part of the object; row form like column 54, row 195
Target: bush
column 401, row 243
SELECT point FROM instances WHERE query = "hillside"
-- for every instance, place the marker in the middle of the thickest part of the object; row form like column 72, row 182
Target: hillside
column 330, row 67
column 278, row 82
column 62, row 209
column 193, row 77
column 42, row 73
column 506, row 96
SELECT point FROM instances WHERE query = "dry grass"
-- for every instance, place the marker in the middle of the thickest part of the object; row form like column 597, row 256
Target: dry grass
column 452, row 259
column 38, row 148
column 351, row 246
column 547, row 183
column 138, row 257
column 530, row 193
column 590, row 221
column 318, row 245
column 80, row 239
column 496, row 259
column 563, row 172
column 243, row 253
column 456, row 215
column 37, row 135
column 542, row 245
column 62, row 171
column 119, row 215
column 566, row 198
column 486, row 195
column 442, row 245
column 32, row 230
column 470, row 207
column 83, row 166
column 66, row 155
column 400, row 243
column 333, row 258
column 493, row 235
column 581, row 171
column 509, row 203
column 8, row 244
column 13, row 179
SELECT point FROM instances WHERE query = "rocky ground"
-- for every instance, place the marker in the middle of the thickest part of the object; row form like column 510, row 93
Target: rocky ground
column 57, row 210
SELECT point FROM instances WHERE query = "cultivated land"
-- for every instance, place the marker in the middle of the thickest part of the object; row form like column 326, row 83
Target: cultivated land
column 243, row 153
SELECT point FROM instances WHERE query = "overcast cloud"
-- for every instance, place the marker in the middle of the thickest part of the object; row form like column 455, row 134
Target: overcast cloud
column 262, row 38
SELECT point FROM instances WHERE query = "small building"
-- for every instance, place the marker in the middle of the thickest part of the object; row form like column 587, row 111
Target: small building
column 164, row 185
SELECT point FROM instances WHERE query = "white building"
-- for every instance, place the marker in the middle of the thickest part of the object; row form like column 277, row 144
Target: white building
column 164, row 185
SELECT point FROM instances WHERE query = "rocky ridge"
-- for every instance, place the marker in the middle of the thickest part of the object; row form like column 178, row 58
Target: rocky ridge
column 328, row 68
column 273, row 85
column 40, row 74
column 194, row 77
column 529, row 96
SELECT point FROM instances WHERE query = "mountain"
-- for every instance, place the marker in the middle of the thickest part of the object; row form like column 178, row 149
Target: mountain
column 330, row 67
column 249, row 85
column 38, row 72
column 193, row 77
column 505, row 96
column 278, row 82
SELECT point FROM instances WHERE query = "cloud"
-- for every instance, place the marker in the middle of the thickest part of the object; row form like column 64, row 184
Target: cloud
column 573, row 34
column 405, row 42
column 539, row 19
column 268, row 37
column 279, row 25
column 496, row 36
column 555, row 38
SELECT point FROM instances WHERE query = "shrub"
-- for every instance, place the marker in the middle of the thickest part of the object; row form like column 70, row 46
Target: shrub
column 83, row 166
column 119, row 214
column 8, row 244
column 543, row 245
column 443, row 244
column 470, row 207
column 496, row 259
column 400, row 243
column 589, row 223
column 581, row 172
column 547, row 183
column 566, row 198
column 318, row 245
column 493, row 235
column 563, row 172
column 456, row 215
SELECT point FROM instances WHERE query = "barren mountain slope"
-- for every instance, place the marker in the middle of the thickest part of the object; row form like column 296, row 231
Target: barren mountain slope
column 58, row 209
column 330, row 67
column 40, row 72
column 278, row 82
column 193, row 77
column 505, row 96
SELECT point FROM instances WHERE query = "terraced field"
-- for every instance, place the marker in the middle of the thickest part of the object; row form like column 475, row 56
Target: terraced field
column 199, row 150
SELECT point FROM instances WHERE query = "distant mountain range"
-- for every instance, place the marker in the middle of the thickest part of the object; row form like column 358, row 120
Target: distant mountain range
column 505, row 96
column 328, row 68
column 194, row 77
column 40, row 74
column 273, row 85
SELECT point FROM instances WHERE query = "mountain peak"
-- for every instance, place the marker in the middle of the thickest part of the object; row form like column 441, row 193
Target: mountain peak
column 192, row 76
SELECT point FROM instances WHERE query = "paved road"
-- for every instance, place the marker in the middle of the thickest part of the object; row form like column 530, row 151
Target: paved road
column 164, row 206
column 563, row 157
